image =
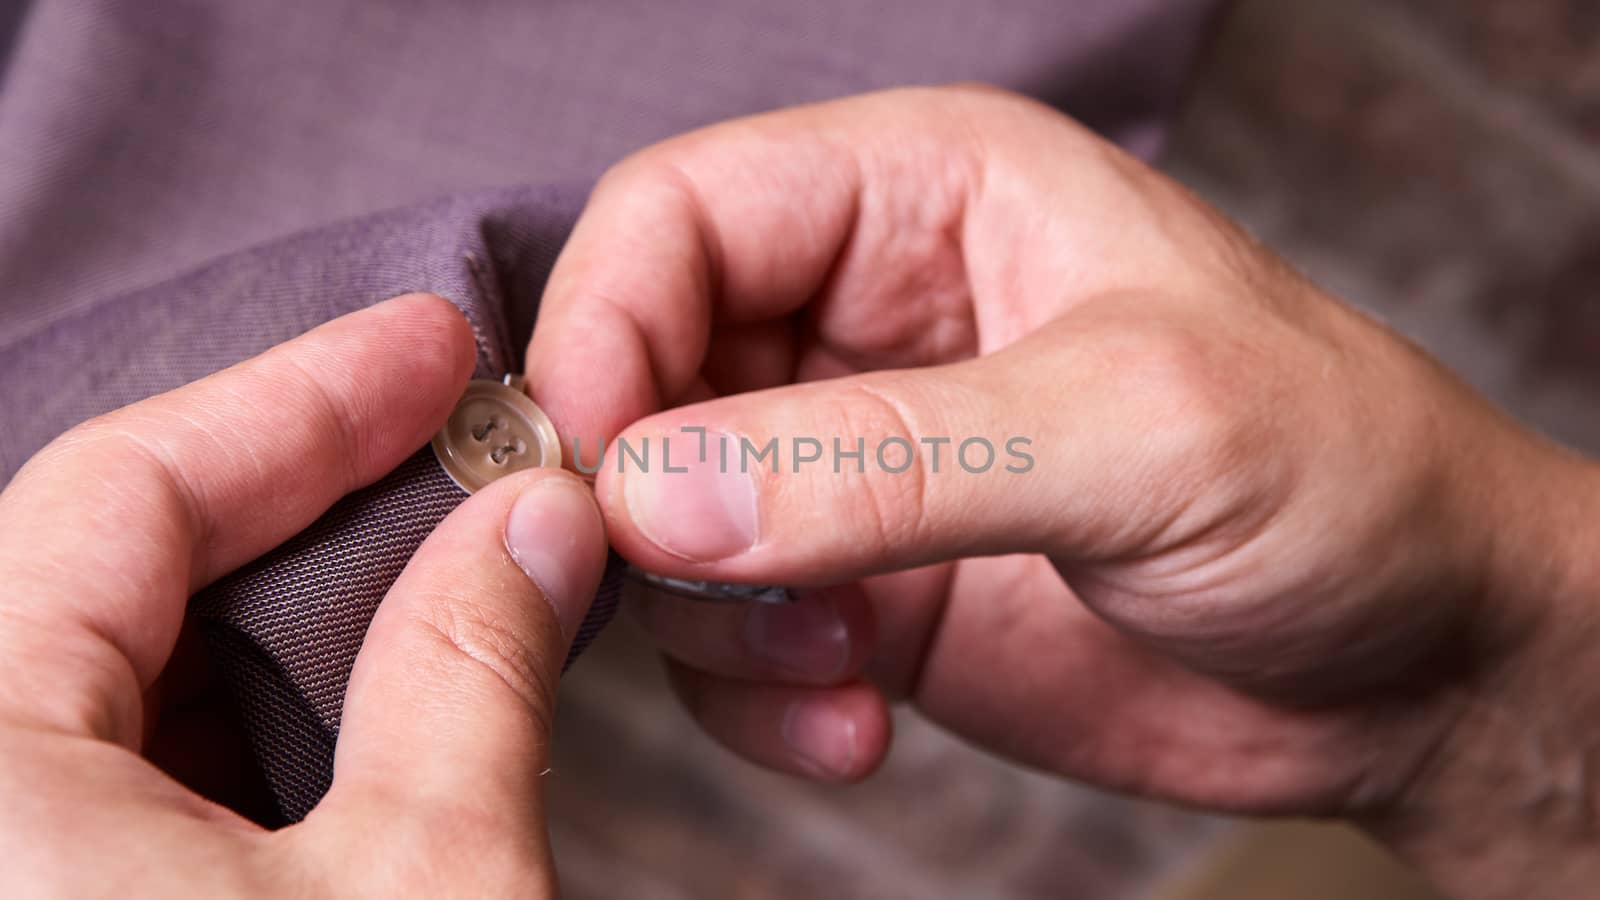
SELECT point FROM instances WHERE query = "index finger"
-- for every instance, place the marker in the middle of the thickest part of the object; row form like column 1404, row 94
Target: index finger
column 106, row 532
column 742, row 222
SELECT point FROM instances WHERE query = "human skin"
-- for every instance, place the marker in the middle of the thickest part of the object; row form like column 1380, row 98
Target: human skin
column 105, row 534
column 1271, row 558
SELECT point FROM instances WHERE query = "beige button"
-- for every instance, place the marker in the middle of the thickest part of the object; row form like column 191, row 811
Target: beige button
column 493, row 431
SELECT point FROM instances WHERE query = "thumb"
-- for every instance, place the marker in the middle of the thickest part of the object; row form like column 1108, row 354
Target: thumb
column 826, row 481
column 452, row 695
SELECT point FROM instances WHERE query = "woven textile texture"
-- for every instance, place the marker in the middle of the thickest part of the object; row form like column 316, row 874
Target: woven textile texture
column 186, row 183
column 285, row 630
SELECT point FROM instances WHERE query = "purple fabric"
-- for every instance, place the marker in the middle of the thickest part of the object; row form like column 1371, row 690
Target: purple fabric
column 285, row 629
column 139, row 140
column 488, row 251
column 184, row 183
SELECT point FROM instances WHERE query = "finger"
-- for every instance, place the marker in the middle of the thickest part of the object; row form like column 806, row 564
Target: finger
column 106, row 532
column 450, row 701
column 750, row 357
column 830, row 734
column 746, row 222
column 823, row 638
column 907, row 607
column 775, row 497
column 1111, row 710
column 1078, row 442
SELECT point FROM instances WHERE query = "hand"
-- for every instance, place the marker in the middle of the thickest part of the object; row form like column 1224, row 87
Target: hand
column 1268, row 557
column 106, row 533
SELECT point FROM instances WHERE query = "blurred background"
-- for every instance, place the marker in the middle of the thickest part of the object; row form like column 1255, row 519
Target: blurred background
column 1435, row 161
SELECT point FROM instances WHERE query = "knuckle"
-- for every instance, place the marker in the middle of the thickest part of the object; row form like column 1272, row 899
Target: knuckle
column 643, row 174
column 1202, row 414
column 123, row 457
column 320, row 405
column 482, row 651
column 893, row 506
column 103, row 435
column 1192, row 391
column 98, row 699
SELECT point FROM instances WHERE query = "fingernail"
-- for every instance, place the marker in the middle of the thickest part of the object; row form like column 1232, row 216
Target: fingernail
column 807, row 638
column 698, row 509
column 546, row 535
column 822, row 738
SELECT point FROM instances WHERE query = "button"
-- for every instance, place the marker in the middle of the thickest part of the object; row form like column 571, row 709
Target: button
column 493, row 431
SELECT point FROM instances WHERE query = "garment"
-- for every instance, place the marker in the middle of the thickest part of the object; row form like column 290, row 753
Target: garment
column 184, row 183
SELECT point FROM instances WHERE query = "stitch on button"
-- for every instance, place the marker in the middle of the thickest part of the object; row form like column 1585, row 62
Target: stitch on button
column 494, row 430
column 473, row 453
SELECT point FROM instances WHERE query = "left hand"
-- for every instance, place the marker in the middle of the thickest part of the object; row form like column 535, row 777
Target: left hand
column 106, row 533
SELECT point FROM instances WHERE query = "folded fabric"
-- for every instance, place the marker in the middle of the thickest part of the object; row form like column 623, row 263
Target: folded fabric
column 267, row 167
column 284, row 630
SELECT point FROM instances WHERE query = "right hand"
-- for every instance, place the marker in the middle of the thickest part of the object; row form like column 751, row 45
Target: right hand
column 1270, row 557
